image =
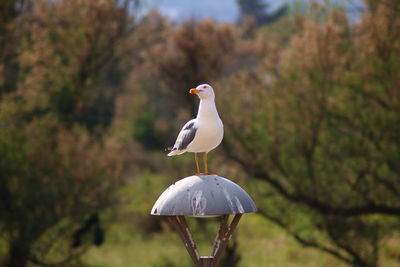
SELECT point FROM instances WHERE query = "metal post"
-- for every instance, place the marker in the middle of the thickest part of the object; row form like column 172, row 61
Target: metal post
column 185, row 236
column 223, row 236
column 221, row 233
column 226, row 235
column 206, row 261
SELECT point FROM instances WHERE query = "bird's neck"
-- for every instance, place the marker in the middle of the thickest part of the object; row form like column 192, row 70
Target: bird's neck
column 207, row 109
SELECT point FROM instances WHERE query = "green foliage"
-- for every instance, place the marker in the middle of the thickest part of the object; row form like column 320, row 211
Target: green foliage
column 54, row 172
column 323, row 131
column 47, row 183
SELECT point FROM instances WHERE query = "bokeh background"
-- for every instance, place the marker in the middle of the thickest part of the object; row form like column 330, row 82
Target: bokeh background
column 92, row 92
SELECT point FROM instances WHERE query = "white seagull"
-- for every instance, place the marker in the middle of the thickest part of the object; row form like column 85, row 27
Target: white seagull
column 205, row 132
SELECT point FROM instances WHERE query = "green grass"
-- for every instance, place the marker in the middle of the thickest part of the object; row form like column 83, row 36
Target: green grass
column 139, row 252
column 264, row 244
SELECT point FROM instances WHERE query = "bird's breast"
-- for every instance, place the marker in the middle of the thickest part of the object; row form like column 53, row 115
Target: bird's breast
column 208, row 136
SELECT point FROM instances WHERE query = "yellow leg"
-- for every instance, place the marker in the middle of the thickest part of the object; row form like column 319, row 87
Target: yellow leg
column 197, row 163
column 205, row 163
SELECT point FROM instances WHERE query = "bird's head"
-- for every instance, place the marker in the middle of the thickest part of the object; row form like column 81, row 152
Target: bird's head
column 204, row 91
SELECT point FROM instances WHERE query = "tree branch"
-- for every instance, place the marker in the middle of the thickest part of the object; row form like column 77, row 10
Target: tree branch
column 314, row 204
column 303, row 241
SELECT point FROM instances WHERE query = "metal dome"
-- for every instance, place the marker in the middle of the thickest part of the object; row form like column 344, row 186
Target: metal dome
column 203, row 195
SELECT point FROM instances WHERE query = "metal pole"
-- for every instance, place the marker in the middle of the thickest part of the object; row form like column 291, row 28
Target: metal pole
column 223, row 236
column 226, row 236
column 206, row 261
column 185, row 237
column 222, row 228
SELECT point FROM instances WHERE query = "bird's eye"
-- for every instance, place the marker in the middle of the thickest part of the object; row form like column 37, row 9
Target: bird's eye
column 204, row 87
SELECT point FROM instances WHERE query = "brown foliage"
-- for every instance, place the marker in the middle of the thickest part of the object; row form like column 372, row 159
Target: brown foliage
column 194, row 53
column 68, row 57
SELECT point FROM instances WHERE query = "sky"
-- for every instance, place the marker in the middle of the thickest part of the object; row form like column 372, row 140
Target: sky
column 224, row 10
column 220, row 10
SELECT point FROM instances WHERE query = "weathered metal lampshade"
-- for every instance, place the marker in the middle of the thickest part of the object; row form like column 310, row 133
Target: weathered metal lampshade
column 204, row 196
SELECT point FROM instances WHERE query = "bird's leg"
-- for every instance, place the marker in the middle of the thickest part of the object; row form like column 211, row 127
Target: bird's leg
column 205, row 163
column 197, row 163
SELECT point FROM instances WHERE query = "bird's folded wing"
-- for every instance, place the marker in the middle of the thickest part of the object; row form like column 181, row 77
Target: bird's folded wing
column 186, row 135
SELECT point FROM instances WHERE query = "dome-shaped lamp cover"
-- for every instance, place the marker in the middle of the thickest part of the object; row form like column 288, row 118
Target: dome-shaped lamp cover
column 203, row 195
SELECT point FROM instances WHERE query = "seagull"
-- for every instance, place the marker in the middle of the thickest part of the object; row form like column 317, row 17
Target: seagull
column 205, row 132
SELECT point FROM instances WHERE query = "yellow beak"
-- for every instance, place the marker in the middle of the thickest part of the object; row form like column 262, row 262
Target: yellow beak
column 193, row 91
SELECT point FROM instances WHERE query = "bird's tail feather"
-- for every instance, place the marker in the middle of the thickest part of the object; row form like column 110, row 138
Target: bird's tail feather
column 176, row 152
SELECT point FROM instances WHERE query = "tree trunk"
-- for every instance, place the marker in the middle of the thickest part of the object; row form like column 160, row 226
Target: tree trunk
column 18, row 254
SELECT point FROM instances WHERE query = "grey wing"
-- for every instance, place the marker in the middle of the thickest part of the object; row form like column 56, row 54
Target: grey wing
column 186, row 135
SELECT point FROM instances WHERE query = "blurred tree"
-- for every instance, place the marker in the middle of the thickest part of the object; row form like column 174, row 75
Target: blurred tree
column 320, row 124
column 72, row 55
column 48, row 186
column 61, row 69
column 9, row 11
column 259, row 9
column 195, row 53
